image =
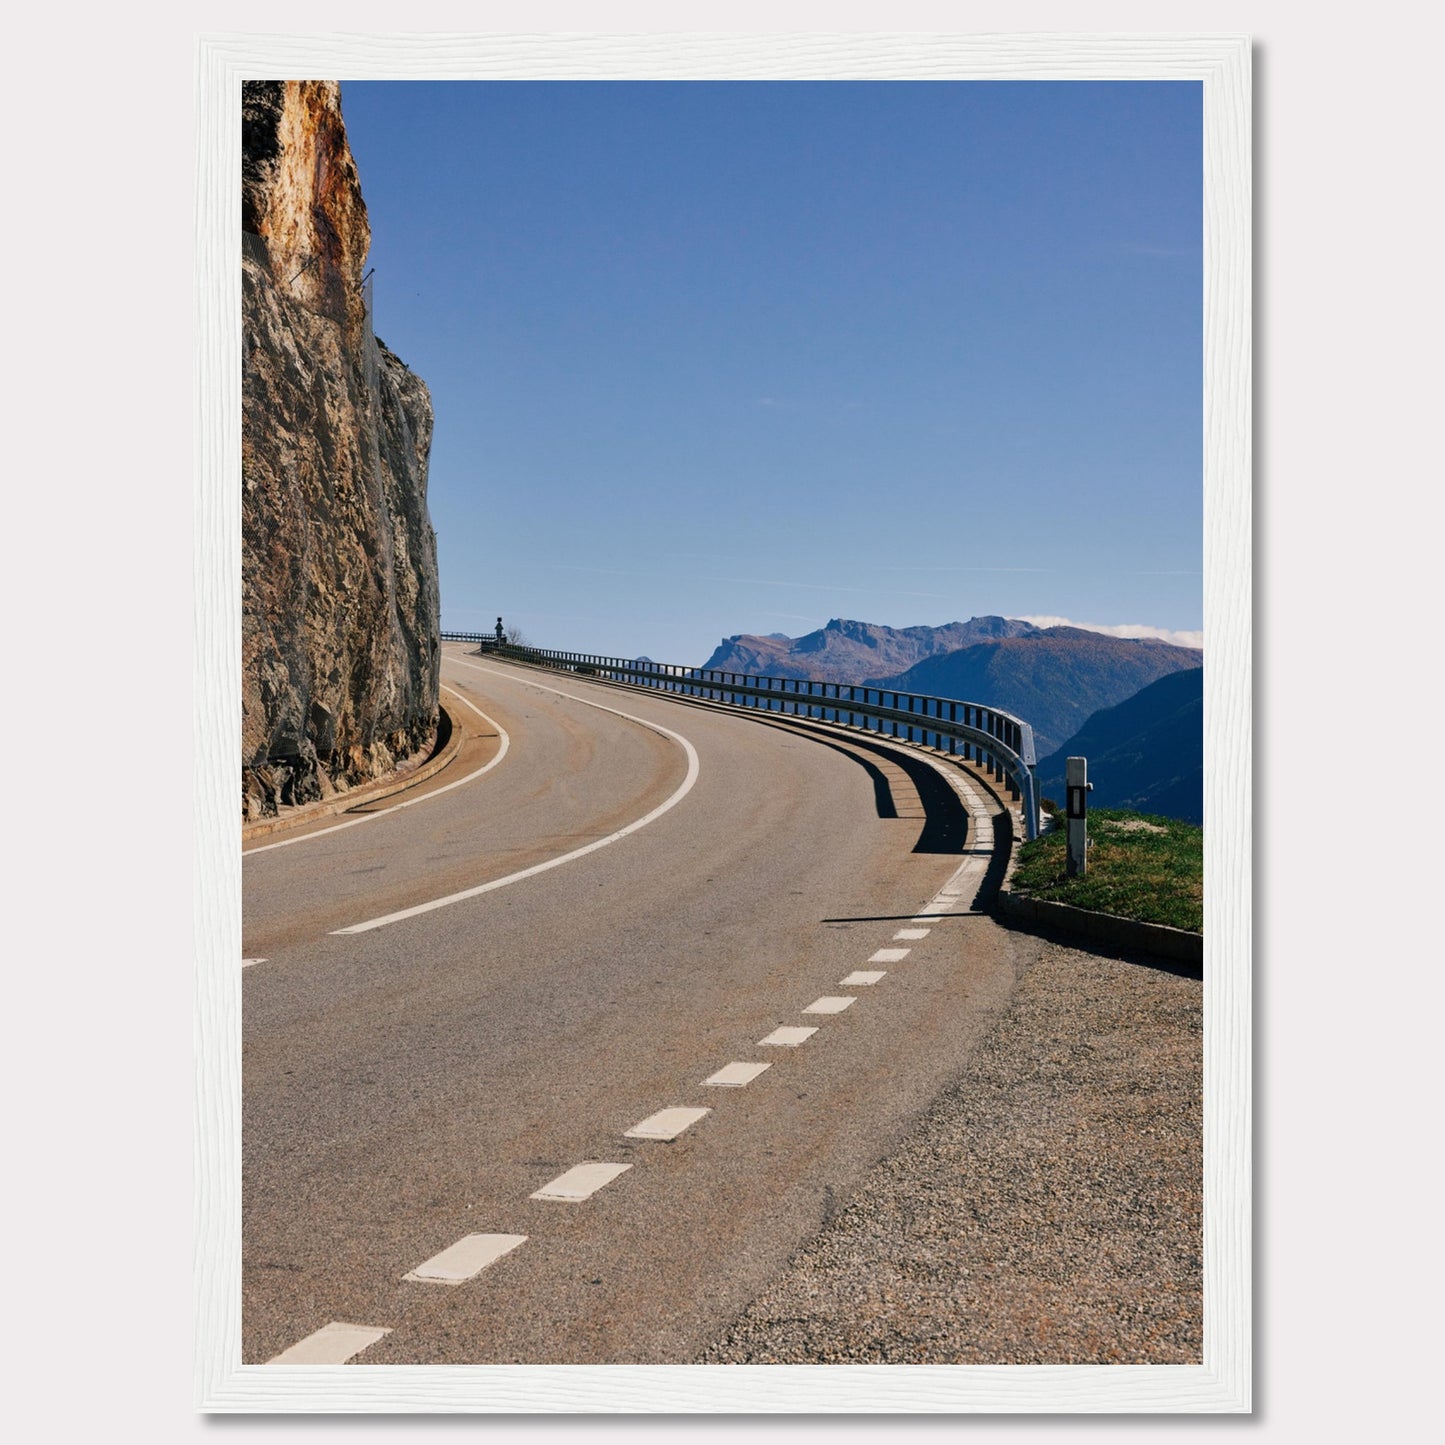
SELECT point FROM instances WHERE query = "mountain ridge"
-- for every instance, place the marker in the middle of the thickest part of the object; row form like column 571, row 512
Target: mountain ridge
column 846, row 650
column 1054, row 678
column 1146, row 753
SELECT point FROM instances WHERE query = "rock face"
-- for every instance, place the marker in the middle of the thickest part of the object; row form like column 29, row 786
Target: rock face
column 340, row 616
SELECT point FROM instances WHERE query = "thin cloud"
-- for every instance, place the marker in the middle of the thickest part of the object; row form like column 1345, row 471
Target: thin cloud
column 601, row 571
column 1124, row 629
column 1134, row 248
column 825, row 587
column 656, row 573
column 909, row 567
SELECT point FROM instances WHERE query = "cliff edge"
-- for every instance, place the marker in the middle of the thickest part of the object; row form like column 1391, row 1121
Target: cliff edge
column 340, row 613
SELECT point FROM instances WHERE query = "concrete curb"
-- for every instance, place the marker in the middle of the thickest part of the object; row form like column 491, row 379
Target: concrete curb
column 1175, row 944
column 367, row 793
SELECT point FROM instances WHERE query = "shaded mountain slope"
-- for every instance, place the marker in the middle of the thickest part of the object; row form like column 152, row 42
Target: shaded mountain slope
column 1055, row 678
column 1147, row 753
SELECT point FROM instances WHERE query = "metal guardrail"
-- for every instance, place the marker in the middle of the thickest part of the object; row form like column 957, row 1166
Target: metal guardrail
column 487, row 639
column 998, row 741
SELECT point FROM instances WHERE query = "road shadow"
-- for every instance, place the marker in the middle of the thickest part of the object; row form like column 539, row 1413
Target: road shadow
column 883, row 799
column 945, row 826
column 945, row 819
column 1066, row 937
column 911, row 917
column 993, row 879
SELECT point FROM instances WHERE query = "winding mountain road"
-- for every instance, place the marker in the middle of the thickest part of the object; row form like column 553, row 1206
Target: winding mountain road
column 607, row 913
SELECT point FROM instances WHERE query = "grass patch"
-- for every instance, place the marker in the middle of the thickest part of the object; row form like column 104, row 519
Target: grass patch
column 1140, row 866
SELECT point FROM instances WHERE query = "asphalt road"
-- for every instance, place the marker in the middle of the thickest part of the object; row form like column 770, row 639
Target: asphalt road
column 414, row 1084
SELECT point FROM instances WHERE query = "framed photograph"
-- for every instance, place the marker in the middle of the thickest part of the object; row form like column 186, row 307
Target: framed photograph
column 707, row 543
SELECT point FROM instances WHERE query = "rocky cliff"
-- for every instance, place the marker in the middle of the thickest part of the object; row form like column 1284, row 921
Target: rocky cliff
column 340, row 619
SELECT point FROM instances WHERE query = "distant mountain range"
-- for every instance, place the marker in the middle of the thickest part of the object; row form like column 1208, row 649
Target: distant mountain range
column 845, row 651
column 1146, row 754
column 1055, row 678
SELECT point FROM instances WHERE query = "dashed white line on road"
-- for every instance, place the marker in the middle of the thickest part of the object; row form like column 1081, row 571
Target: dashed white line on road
column 735, row 1075
column 682, row 791
column 913, row 933
column 666, row 1123
column 332, row 1344
column 788, row 1037
column 890, row 955
column 829, row 1004
column 505, row 742
column 466, row 1258
column 581, row 1181
column 862, row 976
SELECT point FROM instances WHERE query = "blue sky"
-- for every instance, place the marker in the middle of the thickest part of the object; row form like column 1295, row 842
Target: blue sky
column 728, row 357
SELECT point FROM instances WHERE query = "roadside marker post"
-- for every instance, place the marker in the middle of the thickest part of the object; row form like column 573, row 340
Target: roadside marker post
column 1076, row 780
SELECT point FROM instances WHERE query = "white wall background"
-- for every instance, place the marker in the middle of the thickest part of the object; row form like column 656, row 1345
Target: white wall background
column 98, row 116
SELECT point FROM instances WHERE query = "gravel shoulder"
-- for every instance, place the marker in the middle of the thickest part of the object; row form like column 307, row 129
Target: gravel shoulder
column 1045, row 1210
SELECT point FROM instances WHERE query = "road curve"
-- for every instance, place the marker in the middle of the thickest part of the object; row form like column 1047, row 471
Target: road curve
column 575, row 773
column 411, row 1088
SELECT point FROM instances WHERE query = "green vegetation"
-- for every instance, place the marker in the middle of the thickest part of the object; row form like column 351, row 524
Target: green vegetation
column 1140, row 866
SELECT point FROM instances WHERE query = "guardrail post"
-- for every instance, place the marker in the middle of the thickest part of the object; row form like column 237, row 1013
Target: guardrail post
column 1031, row 803
column 1076, row 781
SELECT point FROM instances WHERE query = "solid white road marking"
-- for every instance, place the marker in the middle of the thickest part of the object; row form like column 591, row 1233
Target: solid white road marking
column 862, row 976
column 332, row 1344
column 829, row 1004
column 666, row 1123
column 581, row 1181
column 410, row 802
column 913, row 933
column 735, row 1075
column 683, row 790
column 787, row 1037
column 890, row 955
column 466, row 1258
column 248, row 962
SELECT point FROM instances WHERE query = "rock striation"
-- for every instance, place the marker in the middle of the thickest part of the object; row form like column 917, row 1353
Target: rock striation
column 340, row 614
